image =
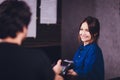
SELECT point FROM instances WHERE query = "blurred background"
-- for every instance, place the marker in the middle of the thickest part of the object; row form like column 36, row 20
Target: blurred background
column 55, row 24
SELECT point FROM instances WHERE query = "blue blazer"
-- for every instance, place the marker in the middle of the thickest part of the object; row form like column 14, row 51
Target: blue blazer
column 89, row 63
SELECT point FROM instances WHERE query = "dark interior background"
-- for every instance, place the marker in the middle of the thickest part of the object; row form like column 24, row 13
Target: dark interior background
column 60, row 40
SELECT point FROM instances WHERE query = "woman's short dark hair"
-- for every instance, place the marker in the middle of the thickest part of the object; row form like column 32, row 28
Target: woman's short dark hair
column 14, row 15
column 93, row 26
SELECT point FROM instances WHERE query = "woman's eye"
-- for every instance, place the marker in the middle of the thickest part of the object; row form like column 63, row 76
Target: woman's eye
column 87, row 30
column 81, row 29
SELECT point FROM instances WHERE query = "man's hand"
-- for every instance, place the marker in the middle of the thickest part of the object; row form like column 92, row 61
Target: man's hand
column 58, row 68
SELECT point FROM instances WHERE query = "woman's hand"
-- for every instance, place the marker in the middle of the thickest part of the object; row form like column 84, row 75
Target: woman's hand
column 72, row 72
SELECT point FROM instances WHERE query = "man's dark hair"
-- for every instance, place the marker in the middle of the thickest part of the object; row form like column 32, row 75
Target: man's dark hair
column 14, row 15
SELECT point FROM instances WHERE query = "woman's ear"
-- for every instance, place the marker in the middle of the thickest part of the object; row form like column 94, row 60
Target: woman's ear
column 95, row 34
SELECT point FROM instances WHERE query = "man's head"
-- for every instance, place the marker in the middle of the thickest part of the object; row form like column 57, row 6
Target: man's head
column 14, row 16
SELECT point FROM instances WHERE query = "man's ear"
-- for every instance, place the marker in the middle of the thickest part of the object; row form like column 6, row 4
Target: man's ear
column 24, row 32
column 25, row 29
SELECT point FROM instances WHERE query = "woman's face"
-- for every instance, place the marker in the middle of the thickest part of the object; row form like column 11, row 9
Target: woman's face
column 85, row 34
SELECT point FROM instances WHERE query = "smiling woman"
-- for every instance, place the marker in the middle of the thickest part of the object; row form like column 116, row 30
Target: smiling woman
column 85, row 34
column 88, row 59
